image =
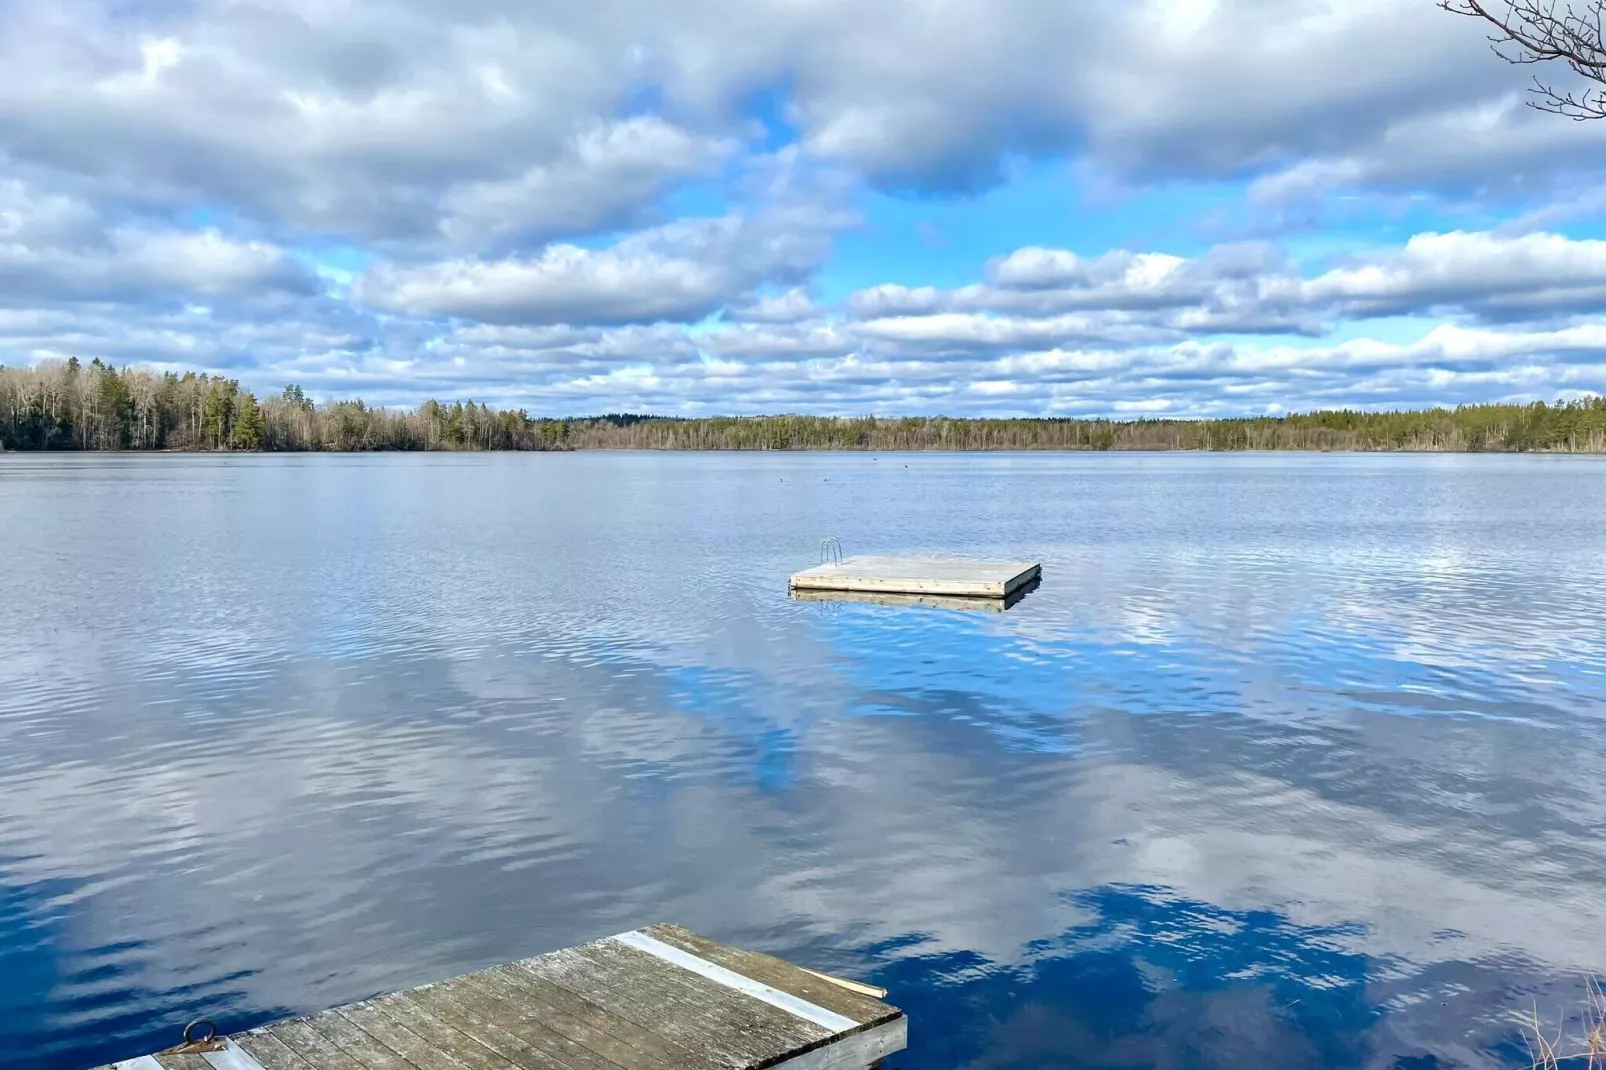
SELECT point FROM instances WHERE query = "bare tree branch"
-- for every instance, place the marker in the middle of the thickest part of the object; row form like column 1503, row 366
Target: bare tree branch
column 1543, row 31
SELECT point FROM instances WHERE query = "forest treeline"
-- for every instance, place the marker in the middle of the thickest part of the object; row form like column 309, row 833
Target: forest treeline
column 74, row 406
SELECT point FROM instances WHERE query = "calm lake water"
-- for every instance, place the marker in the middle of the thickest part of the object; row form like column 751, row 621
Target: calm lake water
column 1291, row 761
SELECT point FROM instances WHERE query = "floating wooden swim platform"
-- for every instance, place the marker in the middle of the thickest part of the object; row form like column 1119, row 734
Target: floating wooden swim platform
column 931, row 601
column 660, row 998
column 953, row 576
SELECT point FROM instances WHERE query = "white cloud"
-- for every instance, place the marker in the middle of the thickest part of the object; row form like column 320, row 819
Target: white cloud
column 607, row 176
column 520, row 169
column 892, row 299
column 400, row 121
column 680, row 271
column 789, row 307
column 1038, row 268
column 967, row 333
column 1253, row 288
column 150, row 266
column 159, row 55
column 840, row 369
column 565, row 284
column 205, row 262
column 574, row 330
column 1496, row 275
column 54, row 247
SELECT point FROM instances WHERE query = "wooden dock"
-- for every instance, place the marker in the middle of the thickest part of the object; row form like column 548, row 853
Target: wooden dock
column 660, row 998
column 931, row 601
column 959, row 577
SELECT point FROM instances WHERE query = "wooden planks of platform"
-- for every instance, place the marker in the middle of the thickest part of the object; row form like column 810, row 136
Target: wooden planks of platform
column 660, row 998
column 928, row 601
column 960, row 577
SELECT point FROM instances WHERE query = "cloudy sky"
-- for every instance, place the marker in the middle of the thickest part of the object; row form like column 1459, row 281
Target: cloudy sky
column 893, row 206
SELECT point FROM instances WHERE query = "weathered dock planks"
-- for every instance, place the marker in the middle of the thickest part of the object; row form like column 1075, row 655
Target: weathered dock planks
column 930, row 601
column 919, row 575
column 660, row 998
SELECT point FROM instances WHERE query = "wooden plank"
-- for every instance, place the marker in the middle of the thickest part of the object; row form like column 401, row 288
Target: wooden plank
column 797, row 1006
column 182, row 1062
column 466, row 1010
column 144, row 1062
column 339, row 1031
column 232, row 1057
column 738, row 1020
column 781, row 974
column 705, row 1040
column 312, row 1046
column 583, row 977
column 857, row 1052
column 979, row 603
column 591, row 1021
column 526, row 1019
column 270, row 1051
column 398, row 1038
column 917, row 575
column 444, row 1036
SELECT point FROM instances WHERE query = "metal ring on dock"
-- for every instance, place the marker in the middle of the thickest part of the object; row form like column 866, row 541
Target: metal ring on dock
column 211, row 1031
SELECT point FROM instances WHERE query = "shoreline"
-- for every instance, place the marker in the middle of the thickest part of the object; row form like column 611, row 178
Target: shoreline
column 96, row 407
column 1596, row 451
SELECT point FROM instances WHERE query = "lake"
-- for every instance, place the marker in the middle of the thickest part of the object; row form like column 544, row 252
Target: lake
column 1292, row 760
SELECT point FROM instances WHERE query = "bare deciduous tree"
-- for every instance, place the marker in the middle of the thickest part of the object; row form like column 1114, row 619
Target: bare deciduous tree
column 1539, row 31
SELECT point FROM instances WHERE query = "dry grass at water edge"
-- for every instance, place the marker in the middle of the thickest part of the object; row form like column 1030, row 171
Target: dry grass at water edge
column 1558, row 1052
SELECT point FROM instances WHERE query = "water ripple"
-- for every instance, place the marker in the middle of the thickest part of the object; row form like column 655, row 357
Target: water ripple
column 1289, row 759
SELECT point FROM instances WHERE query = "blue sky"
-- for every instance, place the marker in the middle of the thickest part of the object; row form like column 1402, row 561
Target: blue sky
column 1006, row 207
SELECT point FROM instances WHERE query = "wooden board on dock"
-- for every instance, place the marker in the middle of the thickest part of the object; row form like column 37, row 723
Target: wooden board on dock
column 955, row 576
column 660, row 998
column 930, row 601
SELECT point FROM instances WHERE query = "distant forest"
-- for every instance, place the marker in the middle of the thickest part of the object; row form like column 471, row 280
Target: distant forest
column 73, row 406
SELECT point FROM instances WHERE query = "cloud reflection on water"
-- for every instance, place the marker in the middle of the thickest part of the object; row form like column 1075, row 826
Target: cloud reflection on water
column 1198, row 777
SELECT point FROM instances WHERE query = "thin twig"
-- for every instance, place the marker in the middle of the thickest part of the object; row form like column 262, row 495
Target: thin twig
column 1541, row 31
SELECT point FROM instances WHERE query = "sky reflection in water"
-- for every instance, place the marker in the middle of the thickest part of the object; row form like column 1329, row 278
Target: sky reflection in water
column 1290, row 760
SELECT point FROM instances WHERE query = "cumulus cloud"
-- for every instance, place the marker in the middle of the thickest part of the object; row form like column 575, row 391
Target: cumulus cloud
column 640, row 324
column 640, row 203
column 565, row 284
column 837, row 373
column 1253, row 288
column 680, row 271
column 401, row 120
column 789, row 307
column 1239, row 288
column 1495, row 276
column 966, row 333
column 1491, row 147
column 606, row 178
column 57, row 248
column 136, row 265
